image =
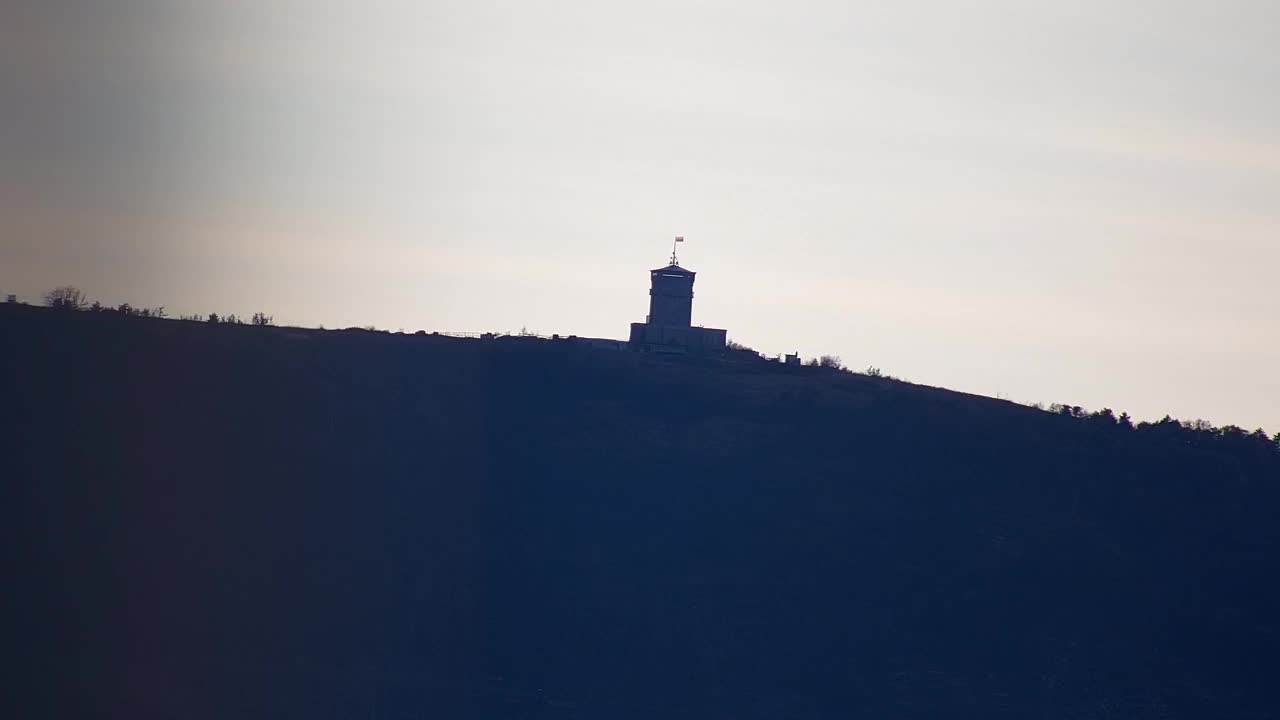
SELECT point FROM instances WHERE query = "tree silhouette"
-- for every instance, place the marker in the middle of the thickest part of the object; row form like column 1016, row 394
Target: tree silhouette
column 66, row 297
column 831, row 361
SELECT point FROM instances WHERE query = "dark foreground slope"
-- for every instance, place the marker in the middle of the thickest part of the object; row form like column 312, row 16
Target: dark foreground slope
column 216, row 522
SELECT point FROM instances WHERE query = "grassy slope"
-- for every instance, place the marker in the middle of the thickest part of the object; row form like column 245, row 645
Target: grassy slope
column 237, row 521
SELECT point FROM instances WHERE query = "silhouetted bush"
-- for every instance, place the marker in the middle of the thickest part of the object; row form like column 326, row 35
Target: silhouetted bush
column 214, row 319
column 67, row 297
column 260, row 319
column 1071, row 411
column 831, row 361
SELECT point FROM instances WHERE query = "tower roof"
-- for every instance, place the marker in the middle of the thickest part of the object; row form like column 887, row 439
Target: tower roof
column 674, row 269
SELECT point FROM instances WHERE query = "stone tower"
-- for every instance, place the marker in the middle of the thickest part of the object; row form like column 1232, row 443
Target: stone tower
column 669, row 326
column 671, row 296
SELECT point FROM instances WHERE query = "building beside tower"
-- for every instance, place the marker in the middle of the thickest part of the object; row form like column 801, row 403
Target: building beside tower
column 669, row 327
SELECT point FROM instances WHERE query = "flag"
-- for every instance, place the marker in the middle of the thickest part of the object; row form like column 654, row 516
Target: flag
column 679, row 238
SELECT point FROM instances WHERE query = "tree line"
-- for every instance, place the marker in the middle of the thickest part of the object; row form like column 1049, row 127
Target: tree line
column 69, row 297
column 1193, row 433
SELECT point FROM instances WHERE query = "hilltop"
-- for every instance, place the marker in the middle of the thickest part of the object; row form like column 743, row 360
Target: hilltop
column 237, row 521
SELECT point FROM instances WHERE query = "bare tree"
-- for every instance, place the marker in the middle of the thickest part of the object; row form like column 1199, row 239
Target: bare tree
column 261, row 319
column 67, row 297
column 831, row 361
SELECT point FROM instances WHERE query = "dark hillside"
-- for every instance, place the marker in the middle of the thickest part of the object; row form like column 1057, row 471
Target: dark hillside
column 232, row 521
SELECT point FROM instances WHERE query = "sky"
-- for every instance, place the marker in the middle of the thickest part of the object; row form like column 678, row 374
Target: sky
column 1071, row 202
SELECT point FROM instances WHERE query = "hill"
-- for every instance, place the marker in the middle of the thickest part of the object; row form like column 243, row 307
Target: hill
column 234, row 521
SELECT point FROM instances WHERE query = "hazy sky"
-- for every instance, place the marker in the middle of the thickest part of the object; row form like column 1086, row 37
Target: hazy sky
column 1073, row 201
